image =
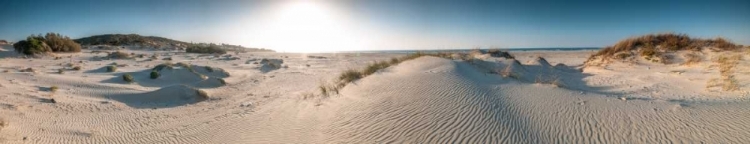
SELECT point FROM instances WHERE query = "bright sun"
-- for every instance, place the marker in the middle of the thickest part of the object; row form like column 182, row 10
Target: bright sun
column 306, row 26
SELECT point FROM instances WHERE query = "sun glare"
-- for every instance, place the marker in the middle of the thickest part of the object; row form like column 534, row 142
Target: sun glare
column 306, row 26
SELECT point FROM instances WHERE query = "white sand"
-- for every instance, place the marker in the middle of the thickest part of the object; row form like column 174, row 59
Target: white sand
column 425, row 100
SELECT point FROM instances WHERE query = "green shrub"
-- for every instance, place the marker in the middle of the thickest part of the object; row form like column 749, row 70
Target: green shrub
column 52, row 42
column 111, row 68
column 154, row 74
column 77, row 68
column 127, row 78
column 209, row 69
column 32, row 45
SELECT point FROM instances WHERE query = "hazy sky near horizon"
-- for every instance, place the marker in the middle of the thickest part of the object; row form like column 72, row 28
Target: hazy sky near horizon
column 316, row 26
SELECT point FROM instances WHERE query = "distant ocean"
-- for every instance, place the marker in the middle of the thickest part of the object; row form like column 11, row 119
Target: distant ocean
column 467, row 50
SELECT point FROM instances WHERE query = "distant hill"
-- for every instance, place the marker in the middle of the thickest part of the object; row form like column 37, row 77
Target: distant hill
column 130, row 39
column 154, row 42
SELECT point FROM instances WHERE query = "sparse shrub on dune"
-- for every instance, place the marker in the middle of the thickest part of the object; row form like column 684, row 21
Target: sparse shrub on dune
column 154, row 74
column 374, row 67
column 127, row 78
column 623, row 55
column 323, row 90
column 394, row 61
column 33, row 45
column 77, row 68
column 727, row 65
column 349, row 76
column 51, row 42
column 691, row 58
column 111, row 68
column 60, row 71
column 652, row 46
column 730, row 83
column 209, row 69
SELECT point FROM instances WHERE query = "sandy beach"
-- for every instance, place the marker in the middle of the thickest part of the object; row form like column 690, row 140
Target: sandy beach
column 424, row 100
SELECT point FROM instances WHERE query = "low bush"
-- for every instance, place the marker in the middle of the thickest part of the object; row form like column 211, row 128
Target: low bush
column 52, row 42
column 209, row 69
column 691, row 58
column 77, row 68
column 111, row 68
column 127, row 78
column 154, row 74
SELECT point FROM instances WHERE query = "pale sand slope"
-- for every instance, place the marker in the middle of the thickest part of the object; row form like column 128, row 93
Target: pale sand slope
column 423, row 100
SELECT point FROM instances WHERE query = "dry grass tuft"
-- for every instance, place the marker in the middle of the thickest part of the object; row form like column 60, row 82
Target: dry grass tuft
column 691, row 58
column 726, row 70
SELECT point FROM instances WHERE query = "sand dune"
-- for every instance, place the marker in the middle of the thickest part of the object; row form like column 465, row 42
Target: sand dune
column 425, row 100
column 438, row 100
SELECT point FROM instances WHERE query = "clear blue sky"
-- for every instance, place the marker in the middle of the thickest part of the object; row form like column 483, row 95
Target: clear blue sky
column 389, row 24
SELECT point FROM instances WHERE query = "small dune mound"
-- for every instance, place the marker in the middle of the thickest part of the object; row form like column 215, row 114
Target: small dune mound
column 268, row 65
column 499, row 53
column 169, row 74
column 171, row 96
column 657, row 48
column 541, row 62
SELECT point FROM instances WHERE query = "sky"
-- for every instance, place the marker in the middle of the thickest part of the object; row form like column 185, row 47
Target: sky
column 350, row 25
